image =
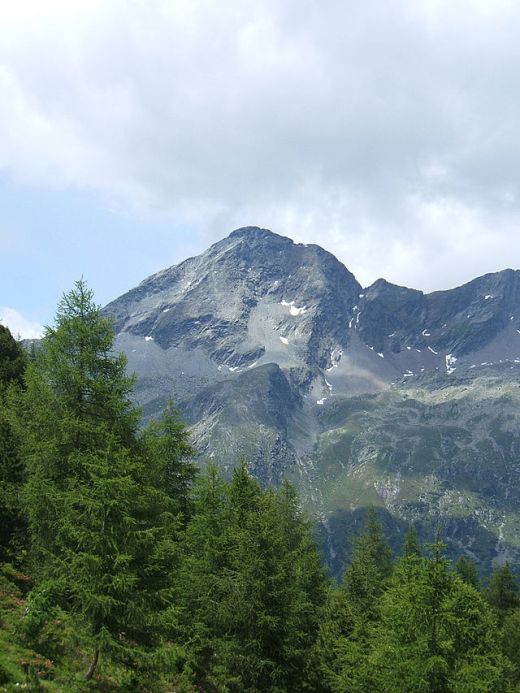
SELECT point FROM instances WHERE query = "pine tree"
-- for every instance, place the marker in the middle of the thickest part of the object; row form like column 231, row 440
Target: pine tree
column 98, row 528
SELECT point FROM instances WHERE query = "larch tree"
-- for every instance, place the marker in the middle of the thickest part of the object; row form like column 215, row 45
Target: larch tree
column 98, row 527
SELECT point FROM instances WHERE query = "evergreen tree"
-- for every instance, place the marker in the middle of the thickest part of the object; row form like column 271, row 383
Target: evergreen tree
column 369, row 569
column 12, row 520
column 436, row 633
column 250, row 588
column 502, row 592
column 167, row 443
column 345, row 663
column 100, row 532
column 467, row 571
column 412, row 546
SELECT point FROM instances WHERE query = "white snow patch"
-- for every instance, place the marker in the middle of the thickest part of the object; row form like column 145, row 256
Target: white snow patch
column 409, row 348
column 148, row 339
column 518, row 331
column 487, row 297
column 361, row 295
column 425, row 333
column 392, row 335
column 380, row 354
column 321, row 401
column 233, row 368
column 297, row 311
column 335, row 356
column 253, row 364
column 284, row 340
column 450, row 361
column 433, row 350
column 350, row 323
column 473, row 365
column 166, row 310
column 328, row 384
column 371, row 348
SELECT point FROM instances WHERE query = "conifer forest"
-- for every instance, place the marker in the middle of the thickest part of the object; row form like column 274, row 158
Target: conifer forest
column 126, row 566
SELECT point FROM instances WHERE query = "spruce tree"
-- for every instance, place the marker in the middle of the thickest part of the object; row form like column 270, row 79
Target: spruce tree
column 502, row 592
column 250, row 588
column 467, row 571
column 436, row 633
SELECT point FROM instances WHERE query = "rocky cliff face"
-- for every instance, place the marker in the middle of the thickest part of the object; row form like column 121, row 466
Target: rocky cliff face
column 382, row 395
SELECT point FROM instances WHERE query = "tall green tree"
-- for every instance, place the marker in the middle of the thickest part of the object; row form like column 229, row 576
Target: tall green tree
column 101, row 533
column 344, row 661
column 467, row 571
column 250, row 588
column 436, row 633
column 13, row 362
column 503, row 592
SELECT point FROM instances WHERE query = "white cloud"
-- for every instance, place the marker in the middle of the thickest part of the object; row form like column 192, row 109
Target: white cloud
column 19, row 326
column 386, row 132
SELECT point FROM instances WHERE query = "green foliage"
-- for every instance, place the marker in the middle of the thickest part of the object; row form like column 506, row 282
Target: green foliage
column 502, row 592
column 166, row 441
column 13, row 359
column 371, row 566
column 101, row 520
column 250, row 588
column 436, row 633
column 467, row 571
column 12, row 520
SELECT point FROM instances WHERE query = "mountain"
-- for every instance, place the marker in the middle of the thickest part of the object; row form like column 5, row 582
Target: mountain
column 379, row 396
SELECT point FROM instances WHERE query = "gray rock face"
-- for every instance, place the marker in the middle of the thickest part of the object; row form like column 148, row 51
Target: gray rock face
column 383, row 395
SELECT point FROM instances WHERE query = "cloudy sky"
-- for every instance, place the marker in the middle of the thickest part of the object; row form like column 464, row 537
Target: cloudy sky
column 133, row 133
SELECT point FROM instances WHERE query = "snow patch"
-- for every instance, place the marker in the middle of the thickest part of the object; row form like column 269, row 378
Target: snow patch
column 335, row 357
column 253, row 364
column 148, row 339
column 433, row 351
column 321, row 401
column 284, row 340
column 487, row 297
column 165, row 310
column 450, row 361
column 233, row 368
column 380, row 354
column 294, row 310
column 425, row 333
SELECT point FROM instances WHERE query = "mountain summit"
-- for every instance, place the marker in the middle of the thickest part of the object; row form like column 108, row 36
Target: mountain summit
column 381, row 395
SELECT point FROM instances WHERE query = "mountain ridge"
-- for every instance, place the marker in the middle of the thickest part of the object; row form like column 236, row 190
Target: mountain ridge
column 273, row 350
